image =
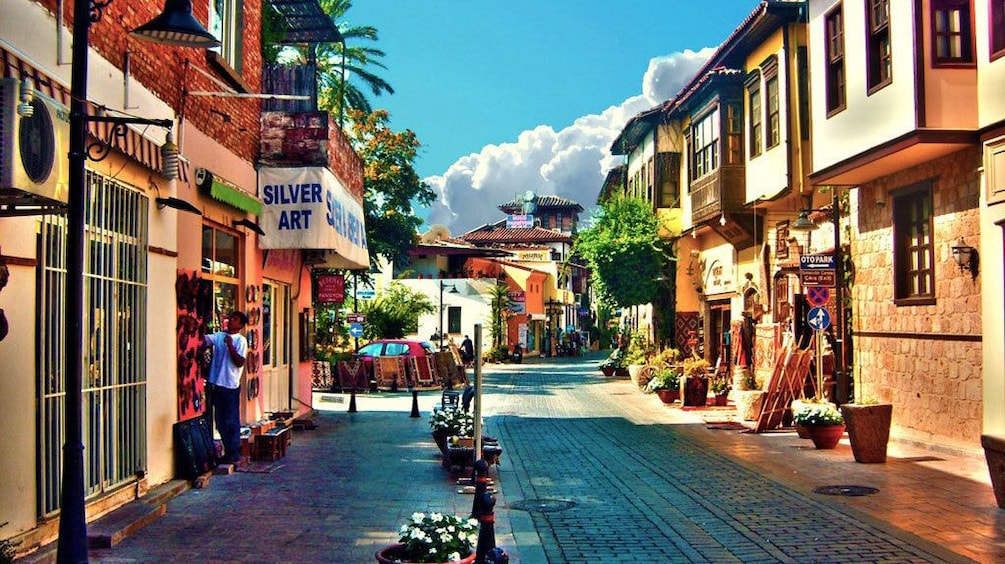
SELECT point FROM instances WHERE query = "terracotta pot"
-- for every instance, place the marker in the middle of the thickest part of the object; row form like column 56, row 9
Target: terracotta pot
column 608, row 370
column 826, row 436
column 388, row 555
column 633, row 372
column 994, row 453
column 668, row 396
column 868, row 430
column 721, row 400
column 621, row 372
column 801, row 430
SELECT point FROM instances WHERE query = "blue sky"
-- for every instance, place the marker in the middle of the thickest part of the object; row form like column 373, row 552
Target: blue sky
column 509, row 96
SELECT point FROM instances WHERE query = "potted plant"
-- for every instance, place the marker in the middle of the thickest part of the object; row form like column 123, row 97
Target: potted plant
column 868, row 422
column 612, row 363
column 719, row 386
column 824, row 422
column 696, row 381
column 639, row 350
column 433, row 537
column 747, row 394
column 666, row 384
column 449, row 422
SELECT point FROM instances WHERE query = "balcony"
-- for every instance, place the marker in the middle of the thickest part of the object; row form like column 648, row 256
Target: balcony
column 293, row 80
column 719, row 192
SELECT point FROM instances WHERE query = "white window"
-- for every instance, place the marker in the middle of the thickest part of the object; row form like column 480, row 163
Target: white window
column 225, row 24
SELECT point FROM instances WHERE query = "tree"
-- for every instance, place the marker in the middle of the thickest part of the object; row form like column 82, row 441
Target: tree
column 338, row 92
column 391, row 187
column 500, row 304
column 625, row 239
column 395, row 313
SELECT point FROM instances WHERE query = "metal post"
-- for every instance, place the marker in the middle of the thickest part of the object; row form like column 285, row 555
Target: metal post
column 355, row 308
column 478, row 390
column 440, row 329
column 72, row 543
column 840, row 375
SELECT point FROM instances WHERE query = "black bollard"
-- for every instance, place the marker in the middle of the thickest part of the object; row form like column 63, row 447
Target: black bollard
column 352, row 401
column 482, row 509
column 415, row 403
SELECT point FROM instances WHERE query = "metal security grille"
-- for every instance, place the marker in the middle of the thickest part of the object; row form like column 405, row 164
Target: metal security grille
column 114, row 350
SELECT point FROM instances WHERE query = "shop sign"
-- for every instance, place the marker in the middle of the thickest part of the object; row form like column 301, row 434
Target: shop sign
column 826, row 278
column 817, row 262
column 308, row 208
column 519, row 221
column 330, row 288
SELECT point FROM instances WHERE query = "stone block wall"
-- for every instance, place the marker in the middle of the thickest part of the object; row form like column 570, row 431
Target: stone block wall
column 925, row 359
column 311, row 139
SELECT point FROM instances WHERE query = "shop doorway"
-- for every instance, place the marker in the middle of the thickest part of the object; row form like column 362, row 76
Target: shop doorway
column 276, row 347
column 717, row 337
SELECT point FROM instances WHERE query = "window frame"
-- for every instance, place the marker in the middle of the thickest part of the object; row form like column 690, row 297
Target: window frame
column 879, row 64
column 773, row 107
column 705, row 157
column 756, row 107
column 914, row 259
column 225, row 21
column 226, row 284
column 965, row 35
column 836, row 83
column 996, row 29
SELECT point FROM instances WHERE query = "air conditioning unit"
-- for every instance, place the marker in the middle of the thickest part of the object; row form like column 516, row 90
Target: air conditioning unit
column 34, row 161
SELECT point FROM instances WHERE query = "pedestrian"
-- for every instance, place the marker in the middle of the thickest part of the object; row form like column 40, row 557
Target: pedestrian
column 467, row 350
column 230, row 349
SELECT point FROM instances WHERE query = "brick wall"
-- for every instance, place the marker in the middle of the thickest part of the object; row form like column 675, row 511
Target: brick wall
column 162, row 69
column 311, row 139
column 918, row 357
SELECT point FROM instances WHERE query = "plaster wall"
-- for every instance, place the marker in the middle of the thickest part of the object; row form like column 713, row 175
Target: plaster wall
column 768, row 173
column 992, row 220
column 990, row 73
column 925, row 359
column 889, row 111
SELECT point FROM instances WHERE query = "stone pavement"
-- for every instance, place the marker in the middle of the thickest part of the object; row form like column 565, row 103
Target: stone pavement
column 592, row 471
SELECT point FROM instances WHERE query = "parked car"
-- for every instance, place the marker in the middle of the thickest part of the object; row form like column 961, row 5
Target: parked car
column 392, row 347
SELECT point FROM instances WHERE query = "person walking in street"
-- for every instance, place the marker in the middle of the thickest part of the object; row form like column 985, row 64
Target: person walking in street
column 467, row 351
column 230, row 349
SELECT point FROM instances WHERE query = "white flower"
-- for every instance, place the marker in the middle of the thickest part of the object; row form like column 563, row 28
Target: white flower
column 418, row 517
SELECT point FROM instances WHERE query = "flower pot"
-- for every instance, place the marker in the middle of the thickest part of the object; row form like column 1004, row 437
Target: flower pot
column 868, row 430
column 801, row 430
column 390, row 555
column 826, row 436
column 633, row 372
column 668, row 396
column 440, row 437
column 621, row 372
column 695, row 391
column 994, row 453
column 748, row 404
column 721, row 400
column 608, row 370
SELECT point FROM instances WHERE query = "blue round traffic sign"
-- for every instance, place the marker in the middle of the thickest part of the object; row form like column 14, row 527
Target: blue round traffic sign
column 356, row 330
column 819, row 318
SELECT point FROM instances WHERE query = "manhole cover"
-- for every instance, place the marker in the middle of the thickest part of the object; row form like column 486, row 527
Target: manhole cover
column 845, row 490
column 542, row 505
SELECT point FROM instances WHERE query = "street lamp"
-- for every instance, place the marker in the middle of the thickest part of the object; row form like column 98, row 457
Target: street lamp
column 175, row 26
column 453, row 290
column 803, row 223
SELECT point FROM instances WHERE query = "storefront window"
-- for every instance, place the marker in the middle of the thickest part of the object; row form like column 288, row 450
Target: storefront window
column 220, row 265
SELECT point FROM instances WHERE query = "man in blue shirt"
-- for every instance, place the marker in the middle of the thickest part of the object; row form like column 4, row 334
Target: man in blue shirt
column 230, row 348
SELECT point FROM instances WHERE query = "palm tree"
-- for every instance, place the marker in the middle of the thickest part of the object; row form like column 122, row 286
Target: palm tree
column 340, row 65
column 500, row 304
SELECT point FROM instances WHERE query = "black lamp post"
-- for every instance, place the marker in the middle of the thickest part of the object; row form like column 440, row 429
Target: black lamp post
column 175, row 26
column 453, row 290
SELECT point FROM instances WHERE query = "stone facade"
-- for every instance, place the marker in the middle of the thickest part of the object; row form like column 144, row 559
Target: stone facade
column 925, row 359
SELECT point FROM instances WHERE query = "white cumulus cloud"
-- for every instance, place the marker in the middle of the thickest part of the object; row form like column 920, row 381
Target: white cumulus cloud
column 570, row 163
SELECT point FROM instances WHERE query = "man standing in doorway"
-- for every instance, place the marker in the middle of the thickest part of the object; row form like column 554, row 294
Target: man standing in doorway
column 230, row 348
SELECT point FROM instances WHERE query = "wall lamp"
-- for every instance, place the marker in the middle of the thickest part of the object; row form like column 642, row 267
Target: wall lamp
column 250, row 225
column 965, row 256
column 178, row 204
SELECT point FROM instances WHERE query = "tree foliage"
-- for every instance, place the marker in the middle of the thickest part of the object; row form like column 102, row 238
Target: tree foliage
column 391, row 187
column 395, row 313
column 500, row 305
column 624, row 252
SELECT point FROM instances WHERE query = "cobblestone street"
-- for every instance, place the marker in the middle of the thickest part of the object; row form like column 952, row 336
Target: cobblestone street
column 592, row 471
